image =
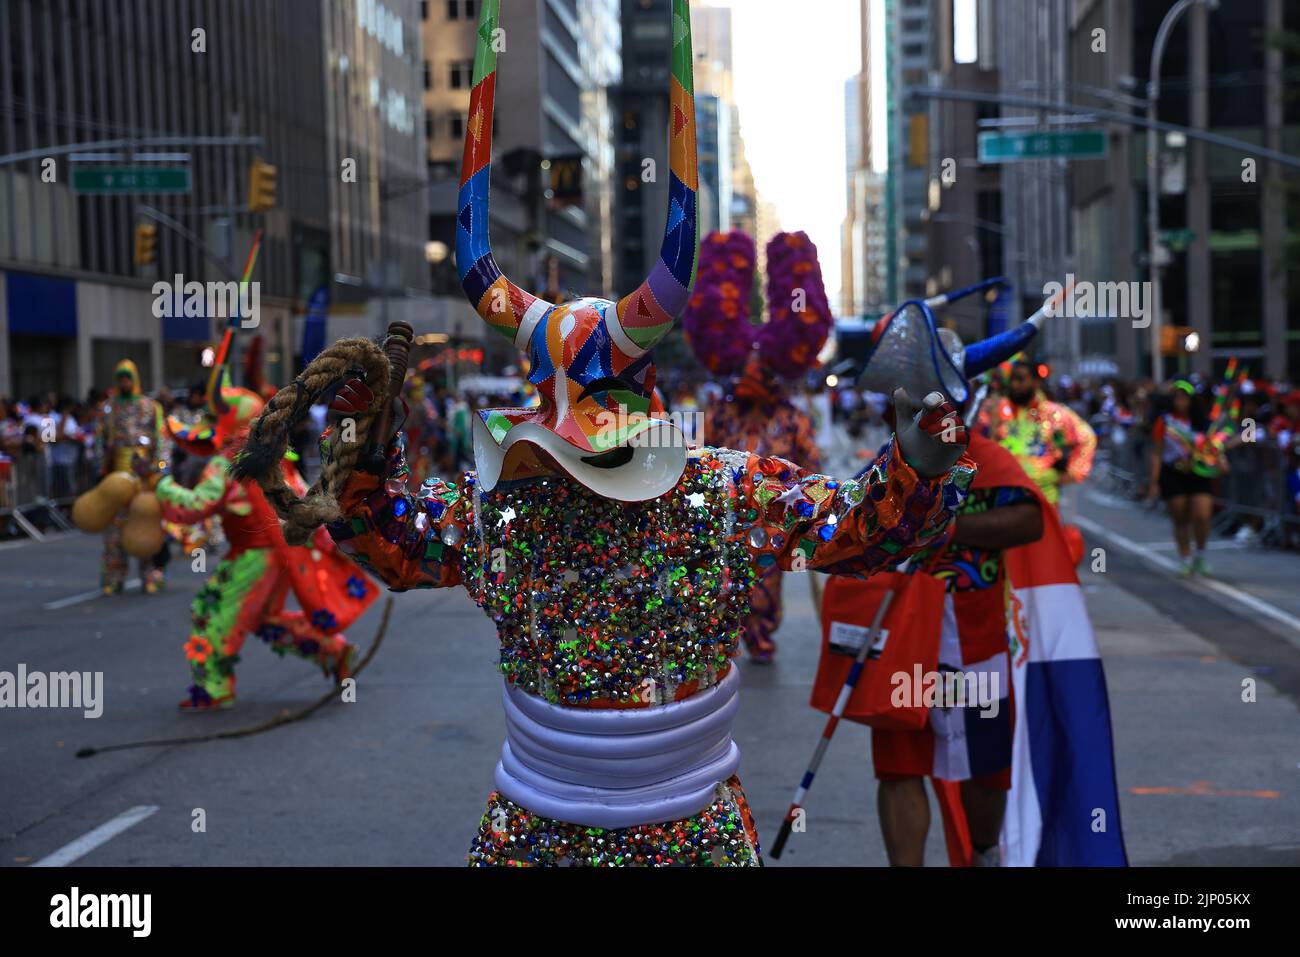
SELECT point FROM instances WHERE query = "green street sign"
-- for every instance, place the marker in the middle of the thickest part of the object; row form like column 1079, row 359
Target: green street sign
column 1177, row 238
column 128, row 180
column 1066, row 144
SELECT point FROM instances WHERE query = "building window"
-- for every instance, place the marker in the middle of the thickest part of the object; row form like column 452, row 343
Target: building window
column 471, row 9
column 457, row 125
column 461, row 73
column 424, row 9
column 428, row 124
column 428, row 76
column 453, row 9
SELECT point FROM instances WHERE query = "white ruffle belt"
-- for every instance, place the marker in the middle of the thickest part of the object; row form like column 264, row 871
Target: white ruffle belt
column 613, row 768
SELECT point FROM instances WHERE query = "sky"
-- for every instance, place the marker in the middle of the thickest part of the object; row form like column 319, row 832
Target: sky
column 791, row 58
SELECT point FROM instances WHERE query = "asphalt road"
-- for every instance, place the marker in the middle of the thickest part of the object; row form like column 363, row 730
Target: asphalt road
column 400, row 776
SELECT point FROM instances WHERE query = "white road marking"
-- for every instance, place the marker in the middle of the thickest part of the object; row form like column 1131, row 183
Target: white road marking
column 100, row 835
column 1217, row 545
column 1223, row 588
column 85, row 596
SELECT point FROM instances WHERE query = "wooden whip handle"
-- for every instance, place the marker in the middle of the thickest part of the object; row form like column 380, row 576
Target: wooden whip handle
column 397, row 346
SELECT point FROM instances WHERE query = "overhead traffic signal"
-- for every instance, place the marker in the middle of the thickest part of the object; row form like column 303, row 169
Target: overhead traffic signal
column 261, row 187
column 146, row 244
column 1175, row 340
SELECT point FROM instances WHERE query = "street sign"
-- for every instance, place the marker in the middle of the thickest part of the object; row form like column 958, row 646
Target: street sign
column 130, row 180
column 1066, row 144
column 1177, row 238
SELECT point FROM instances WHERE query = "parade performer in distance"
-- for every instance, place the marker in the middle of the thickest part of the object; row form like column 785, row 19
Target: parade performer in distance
column 615, row 562
column 130, row 439
column 756, row 413
column 1186, row 455
column 250, row 586
column 1050, row 440
column 1014, row 610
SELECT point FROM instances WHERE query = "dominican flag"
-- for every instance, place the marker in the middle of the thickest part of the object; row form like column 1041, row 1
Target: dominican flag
column 1063, row 807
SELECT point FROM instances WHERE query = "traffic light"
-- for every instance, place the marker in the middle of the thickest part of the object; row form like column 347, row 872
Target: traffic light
column 146, row 244
column 261, row 187
column 1175, row 340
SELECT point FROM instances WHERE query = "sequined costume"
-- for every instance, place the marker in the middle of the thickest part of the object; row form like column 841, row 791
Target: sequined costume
column 767, row 422
column 616, row 562
column 130, row 438
column 1054, row 445
column 600, row 603
column 248, row 590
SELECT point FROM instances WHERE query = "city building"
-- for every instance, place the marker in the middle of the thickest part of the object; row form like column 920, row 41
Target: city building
column 713, row 140
column 1226, row 222
column 908, row 51
column 642, row 147
column 553, row 209
column 1225, row 239
column 963, row 215
column 73, row 300
column 864, row 269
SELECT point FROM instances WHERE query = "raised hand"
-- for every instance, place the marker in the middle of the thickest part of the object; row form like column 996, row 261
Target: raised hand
column 353, row 398
column 931, row 436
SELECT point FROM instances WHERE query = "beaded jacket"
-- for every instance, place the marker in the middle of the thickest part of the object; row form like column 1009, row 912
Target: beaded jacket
column 605, row 603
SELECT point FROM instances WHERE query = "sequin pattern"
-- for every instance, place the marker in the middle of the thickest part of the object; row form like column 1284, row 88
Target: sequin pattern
column 609, row 604
column 605, row 603
column 721, row 835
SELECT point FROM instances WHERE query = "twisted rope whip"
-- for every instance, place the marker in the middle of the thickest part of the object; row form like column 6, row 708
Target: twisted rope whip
column 383, row 370
column 284, row 717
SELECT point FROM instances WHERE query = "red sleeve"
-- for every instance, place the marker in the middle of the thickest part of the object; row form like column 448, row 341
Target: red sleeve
column 1158, row 430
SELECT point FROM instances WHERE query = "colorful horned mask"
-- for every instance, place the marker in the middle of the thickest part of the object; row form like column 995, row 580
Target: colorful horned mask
column 226, row 419
column 598, row 419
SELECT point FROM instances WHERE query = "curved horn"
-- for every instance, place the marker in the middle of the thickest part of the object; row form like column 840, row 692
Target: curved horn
column 953, row 295
column 645, row 316
column 504, row 306
column 980, row 357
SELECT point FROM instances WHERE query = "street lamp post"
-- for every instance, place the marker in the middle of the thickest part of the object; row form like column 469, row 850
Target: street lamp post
column 1154, row 263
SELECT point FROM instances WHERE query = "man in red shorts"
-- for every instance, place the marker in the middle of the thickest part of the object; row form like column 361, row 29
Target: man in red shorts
column 971, row 743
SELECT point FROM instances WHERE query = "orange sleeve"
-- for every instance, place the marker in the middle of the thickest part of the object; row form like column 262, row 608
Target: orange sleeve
column 406, row 540
column 799, row 519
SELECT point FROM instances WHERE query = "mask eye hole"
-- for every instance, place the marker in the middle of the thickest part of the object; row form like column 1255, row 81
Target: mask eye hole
column 600, row 389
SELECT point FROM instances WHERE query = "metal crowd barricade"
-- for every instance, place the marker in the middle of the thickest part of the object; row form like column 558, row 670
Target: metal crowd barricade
column 1256, row 491
column 36, row 493
column 1120, row 458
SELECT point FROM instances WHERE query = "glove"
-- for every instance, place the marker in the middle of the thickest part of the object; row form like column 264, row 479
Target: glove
column 354, row 397
column 931, row 436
